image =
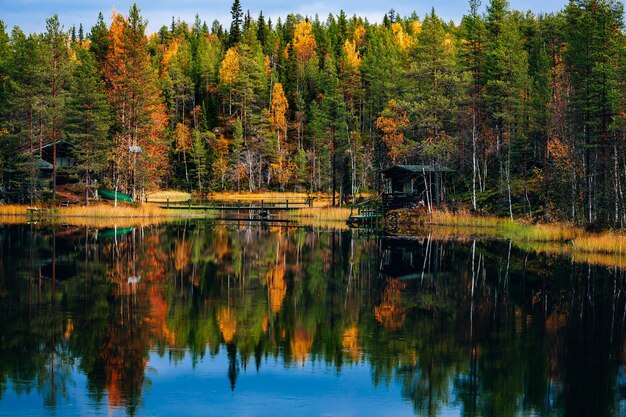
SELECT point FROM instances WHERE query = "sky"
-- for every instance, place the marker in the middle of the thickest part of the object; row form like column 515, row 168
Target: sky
column 30, row 15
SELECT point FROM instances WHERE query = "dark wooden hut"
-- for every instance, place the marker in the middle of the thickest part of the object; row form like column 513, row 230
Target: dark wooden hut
column 408, row 185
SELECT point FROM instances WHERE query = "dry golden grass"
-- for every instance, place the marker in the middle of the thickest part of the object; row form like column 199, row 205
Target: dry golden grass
column 100, row 215
column 607, row 242
column 13, row 210
column 95, row 222
column 96, row 210
column 100, row 222
column 109, row 211
column 322, row 213
column 492, row 226
column 172, row 195
column 322, row 224
column 604, row 248
column 463, row 219
column 321, row 199
column 13, row 219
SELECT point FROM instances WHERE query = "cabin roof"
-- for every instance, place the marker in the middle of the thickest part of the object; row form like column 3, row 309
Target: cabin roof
column 43, row 164
column 415, row 169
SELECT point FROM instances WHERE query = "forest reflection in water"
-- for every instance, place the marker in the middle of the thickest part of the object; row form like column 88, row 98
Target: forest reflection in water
column 469, row 328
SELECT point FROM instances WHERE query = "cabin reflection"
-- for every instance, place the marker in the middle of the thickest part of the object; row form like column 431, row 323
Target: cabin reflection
column 413, row 259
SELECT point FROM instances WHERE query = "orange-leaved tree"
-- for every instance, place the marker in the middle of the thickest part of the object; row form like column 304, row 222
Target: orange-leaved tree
column 392, row 122
column 140, row 155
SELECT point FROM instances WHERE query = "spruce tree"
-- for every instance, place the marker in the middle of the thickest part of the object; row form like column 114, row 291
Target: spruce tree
column 595, row 46
column 262, row 30
column 234, row 35
column 100, row 41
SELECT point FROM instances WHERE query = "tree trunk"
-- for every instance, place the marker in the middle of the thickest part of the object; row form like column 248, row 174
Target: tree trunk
column 474, row 161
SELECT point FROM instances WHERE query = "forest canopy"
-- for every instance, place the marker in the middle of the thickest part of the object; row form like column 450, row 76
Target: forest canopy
column 528, row 109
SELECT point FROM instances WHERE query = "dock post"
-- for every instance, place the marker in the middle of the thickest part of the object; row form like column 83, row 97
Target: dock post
column 168, row 203
column 287, row 204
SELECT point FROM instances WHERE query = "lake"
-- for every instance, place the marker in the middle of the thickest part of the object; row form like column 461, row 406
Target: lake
column 232, row 319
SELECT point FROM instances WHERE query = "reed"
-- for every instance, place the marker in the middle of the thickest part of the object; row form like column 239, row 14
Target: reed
column 320, row 199
column 108, row 211
column 322, row 224
column 463, row 219
column 322, row 213
column 607, row 242
column 104, row 211
column 13, row 210
column 13, row 219
column 171, row 195
column 492, row 226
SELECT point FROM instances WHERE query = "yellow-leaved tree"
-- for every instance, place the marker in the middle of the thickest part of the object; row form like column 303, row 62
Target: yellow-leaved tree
column 303, row 41
column 229, row 74
column 403, row 39
column 278, row 112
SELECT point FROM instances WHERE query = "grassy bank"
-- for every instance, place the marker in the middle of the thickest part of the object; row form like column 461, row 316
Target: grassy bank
column 104, row 215
column 332, row 217
column 97, row 215
column 96, row 210
column 505, row 227
column 319, row 199
column 322, row 213
column 566, row 236
column 171, row 195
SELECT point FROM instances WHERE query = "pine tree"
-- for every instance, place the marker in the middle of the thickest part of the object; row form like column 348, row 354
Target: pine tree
column 4, row 71
column 506, row 89
column 438, row 84
column 25, row 110
column 472, row 53
column 57, row 60
column 88, row 119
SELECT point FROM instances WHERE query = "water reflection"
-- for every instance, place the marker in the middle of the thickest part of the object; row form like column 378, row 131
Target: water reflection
column 474, row 328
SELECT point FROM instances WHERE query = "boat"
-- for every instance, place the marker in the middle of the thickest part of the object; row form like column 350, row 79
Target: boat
column 114, row 232
column 110, row 195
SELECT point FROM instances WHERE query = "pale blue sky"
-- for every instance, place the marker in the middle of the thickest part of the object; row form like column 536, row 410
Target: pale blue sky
column 30, row 15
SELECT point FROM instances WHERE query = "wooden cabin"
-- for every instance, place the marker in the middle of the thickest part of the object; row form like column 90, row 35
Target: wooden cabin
column 413, row 185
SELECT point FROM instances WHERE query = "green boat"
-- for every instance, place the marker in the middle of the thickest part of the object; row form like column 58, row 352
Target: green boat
column 110, row 195
column 113, row 232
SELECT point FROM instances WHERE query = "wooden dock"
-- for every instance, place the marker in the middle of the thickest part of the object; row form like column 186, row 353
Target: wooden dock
column 261, row 206
column 369, row 214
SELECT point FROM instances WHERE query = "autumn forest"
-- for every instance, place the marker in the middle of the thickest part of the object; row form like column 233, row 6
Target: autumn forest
column 528, row 110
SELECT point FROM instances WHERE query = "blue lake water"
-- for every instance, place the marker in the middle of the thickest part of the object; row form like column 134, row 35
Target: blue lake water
column 208, row 318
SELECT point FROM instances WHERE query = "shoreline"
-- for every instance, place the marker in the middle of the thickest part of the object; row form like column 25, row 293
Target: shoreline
column 557, row 237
